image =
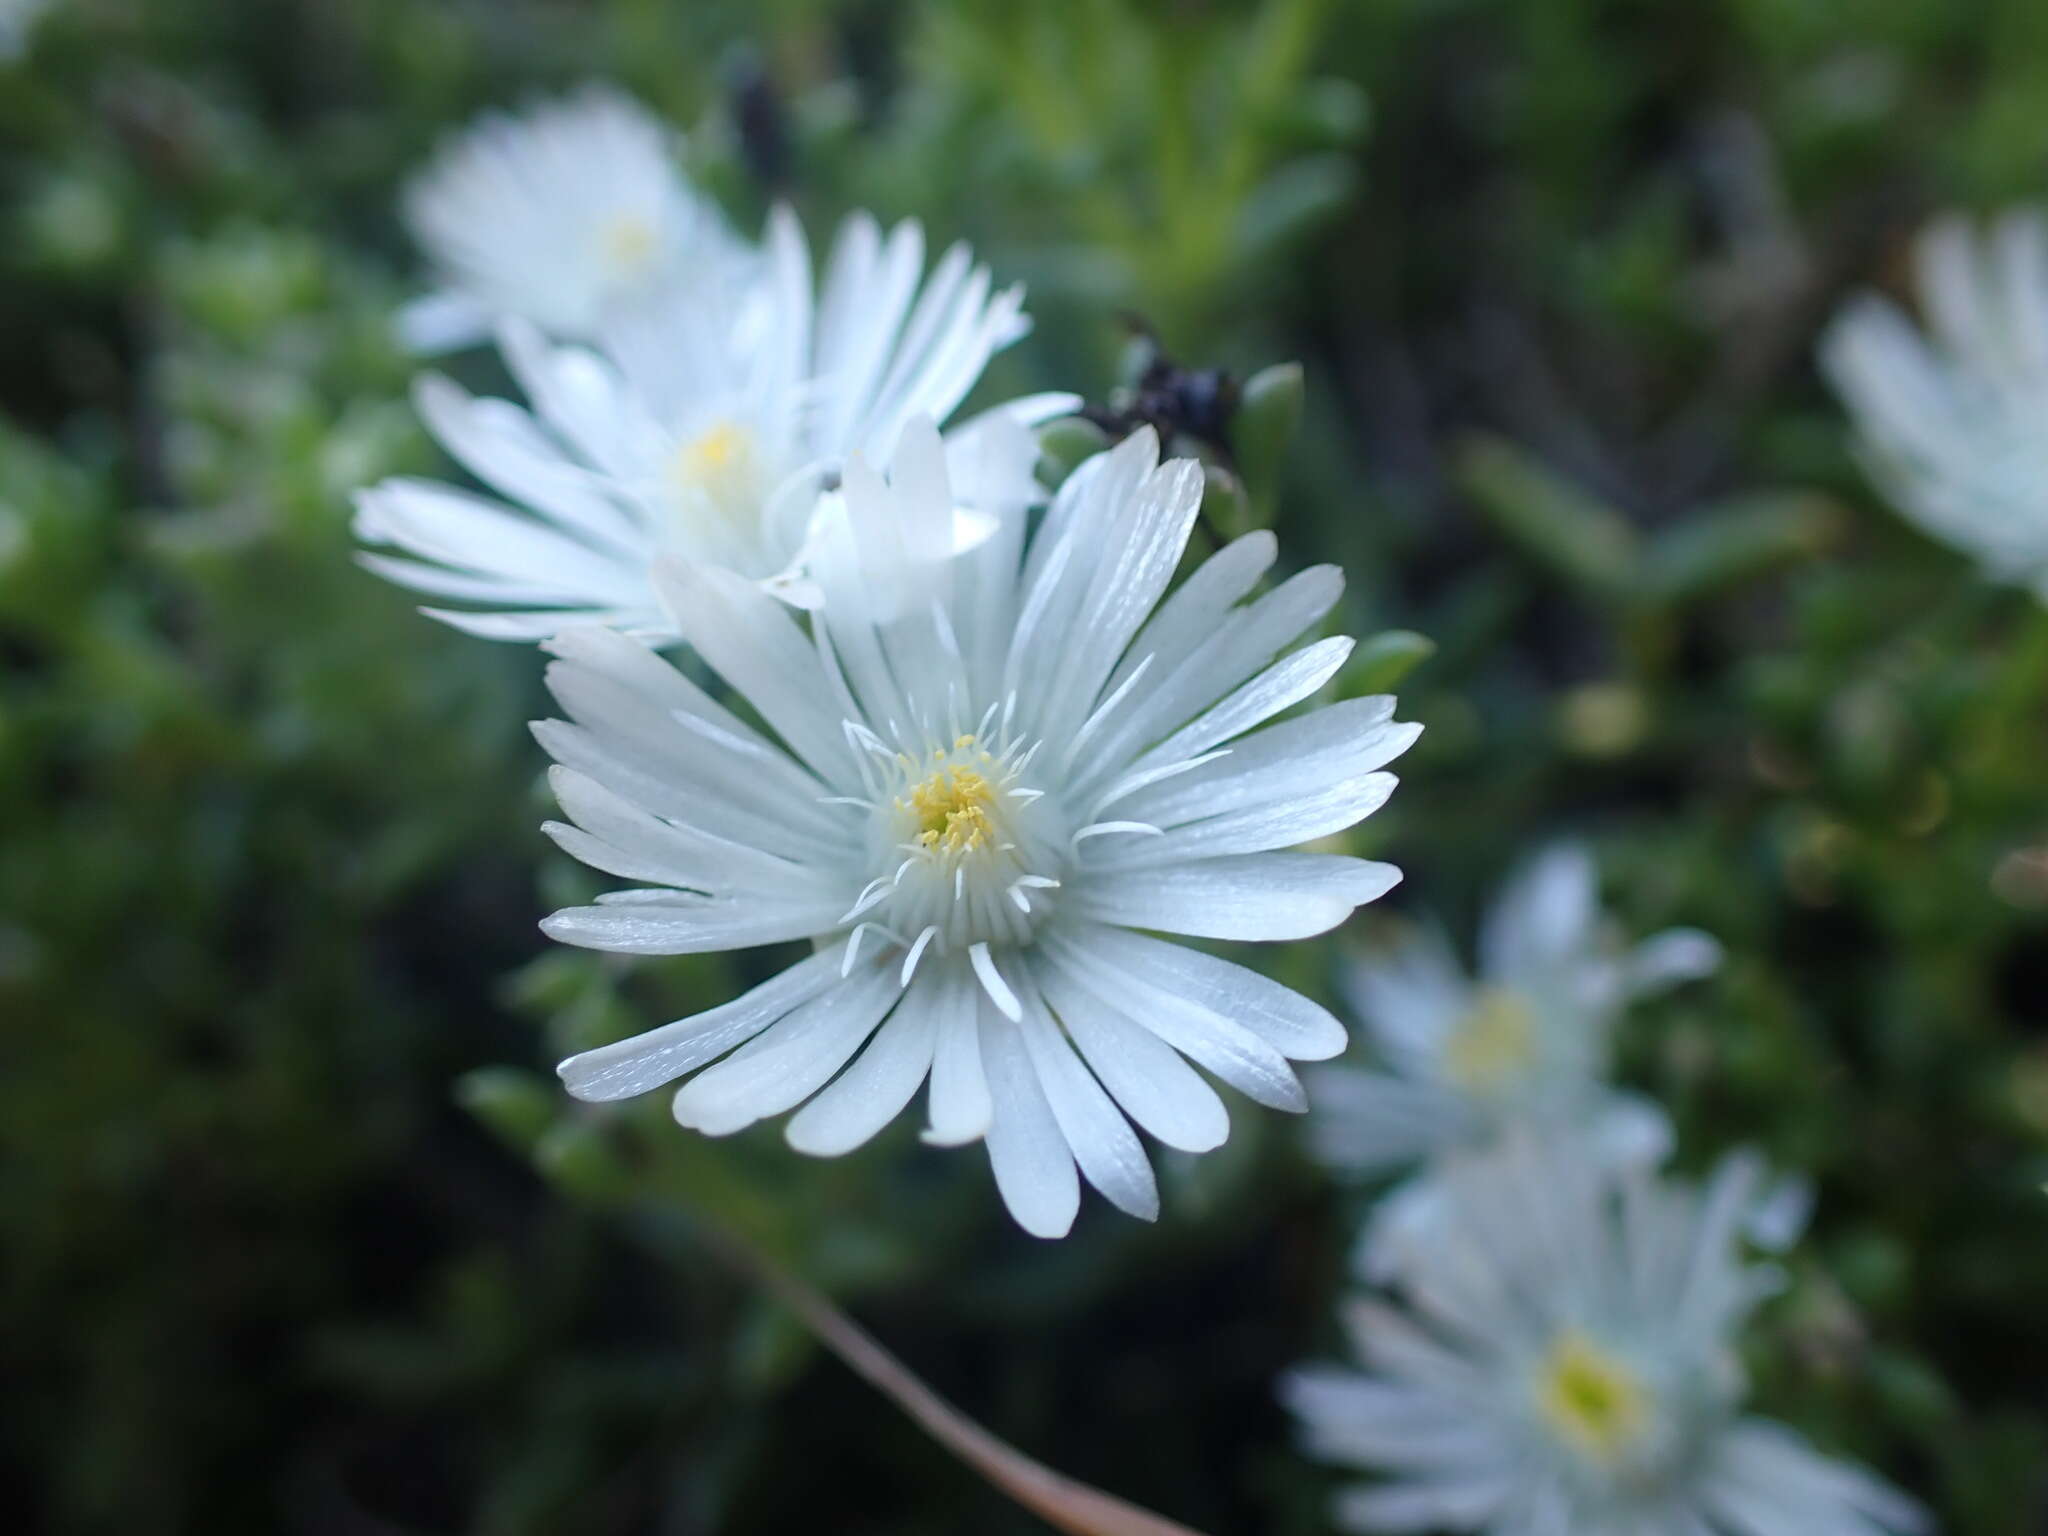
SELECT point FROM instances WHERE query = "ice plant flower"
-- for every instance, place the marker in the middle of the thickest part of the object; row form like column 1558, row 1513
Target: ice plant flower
column 555, row 215
column 1565, row 1362
column 17, row 20
column 987, row 772
column 1461, row 1060
column 1953, row 420
column 710, row 423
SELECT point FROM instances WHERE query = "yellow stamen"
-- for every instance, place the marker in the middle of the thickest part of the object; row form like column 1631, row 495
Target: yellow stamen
column 1591, row 1399
column 721, row 463
column 952, row 810
column 1494, row 1042
column 629, row 243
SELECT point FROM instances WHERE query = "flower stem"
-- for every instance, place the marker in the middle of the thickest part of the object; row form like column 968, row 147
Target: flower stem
column 1060, row 1501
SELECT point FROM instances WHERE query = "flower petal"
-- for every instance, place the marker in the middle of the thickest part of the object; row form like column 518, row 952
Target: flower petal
column 883, row 1078
column 1033, row 1166
column 1145, row 1075
column 1261, row 896
column 1279, row 1015
column 1102, row 1140
column 646, row 1061
column 791, row 1060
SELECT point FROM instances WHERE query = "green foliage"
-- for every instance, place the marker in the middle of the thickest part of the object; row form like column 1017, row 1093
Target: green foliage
column 300, row 1232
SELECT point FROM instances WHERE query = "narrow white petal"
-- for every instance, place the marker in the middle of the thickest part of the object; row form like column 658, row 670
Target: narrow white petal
column 1545, row 915
column 960, row 1108
column 1102, row 1140
column 883, row 1078
column 1669, row 958
column 661, row 1055
column 527, row 627
column 791, row 1060
column 645, row 847
column 1286, row 683
column 469, row 586
column 756, row 646
column 1372, row 1123
column 1131, row 561
column 1194, row 609
column 503, row 447
column 1226, row 1048
column 1186, row 684
column 1777, row 1465
column 1465, row 1503
column 452, row 527
column 652, row 735
column 442, row 322
column 1033, row 1166
column 1282, row 1017
column 1254, row 829
column 1144, row 1074
column 1258, row 896
column 1345, row 740
column 690, row 926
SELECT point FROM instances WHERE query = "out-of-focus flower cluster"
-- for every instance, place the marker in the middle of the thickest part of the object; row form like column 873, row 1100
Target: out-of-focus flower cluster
column 1463, row 1061
column 1555, row 274
column 989, row 741
column 1559, row 1350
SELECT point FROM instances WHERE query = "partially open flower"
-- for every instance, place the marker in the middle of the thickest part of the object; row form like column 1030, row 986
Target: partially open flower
column 710, row 423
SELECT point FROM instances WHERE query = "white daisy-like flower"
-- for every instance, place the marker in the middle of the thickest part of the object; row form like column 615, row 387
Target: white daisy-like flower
column 710, row 424
column 554, row 215
column 1953, row 422
column 1565, row 1366
column 17, row 20
column 1464, row 1059
column 988, row 772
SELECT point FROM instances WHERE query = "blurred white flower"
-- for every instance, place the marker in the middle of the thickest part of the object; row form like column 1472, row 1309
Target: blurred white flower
column 710, row 423
column 991, row 769
column 1953, row 422
column 553, row 216
column 1463, row 1059
column 1565, row 1364
column 17, row 19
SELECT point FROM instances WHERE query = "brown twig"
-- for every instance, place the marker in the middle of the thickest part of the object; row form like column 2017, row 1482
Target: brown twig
column 1067, row 1505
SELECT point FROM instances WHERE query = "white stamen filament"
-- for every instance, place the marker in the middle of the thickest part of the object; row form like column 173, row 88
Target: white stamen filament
column 992, row 983
column 1105, row 828
column 917, row 953
column 968, row 842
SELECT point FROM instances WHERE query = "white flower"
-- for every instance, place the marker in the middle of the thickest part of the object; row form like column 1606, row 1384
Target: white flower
column 1565, row 1366
column 991, row 769
column 17, row 20
column 1954, row 424
column 553, row 216
column 1526, row 1042
column 709, row 424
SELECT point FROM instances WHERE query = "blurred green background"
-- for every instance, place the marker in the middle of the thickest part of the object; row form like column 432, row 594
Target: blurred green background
column 279, row 1256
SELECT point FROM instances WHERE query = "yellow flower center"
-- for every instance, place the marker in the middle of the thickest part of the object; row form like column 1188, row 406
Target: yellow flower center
column 1592, row 1400
column 1494, row 1042
column 629, row 243
column 718, row 478
column 722, row 451
column 952, row 805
